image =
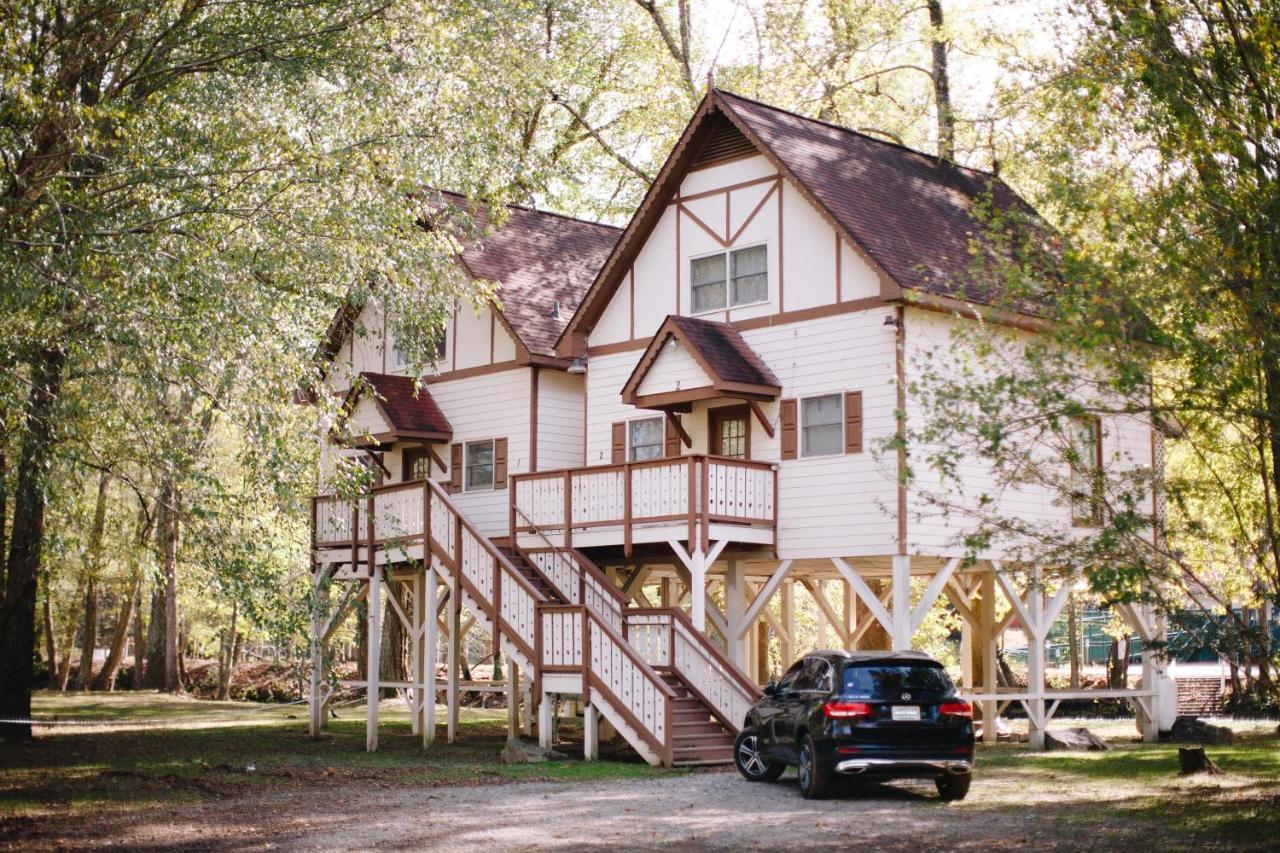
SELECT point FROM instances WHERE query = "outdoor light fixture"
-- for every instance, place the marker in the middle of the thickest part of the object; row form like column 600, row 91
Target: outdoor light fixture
column 578, row 366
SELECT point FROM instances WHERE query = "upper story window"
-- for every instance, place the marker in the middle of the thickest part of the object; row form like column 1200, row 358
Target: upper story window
column 644, row 439
column 727, row 279
column 1086, row 471
column 821, row 425
column 400, row 360
column 479, row 465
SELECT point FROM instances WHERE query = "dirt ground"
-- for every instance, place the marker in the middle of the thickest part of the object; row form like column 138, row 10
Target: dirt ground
column 703, row 811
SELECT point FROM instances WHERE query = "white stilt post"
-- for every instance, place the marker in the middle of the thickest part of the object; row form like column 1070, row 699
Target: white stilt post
column 590, row 733
column 698, row 589
column 416, row 664
column 513, row 699
column 1035, row 660
column 901, row 603
column 373, row 600
column 788, row 649
column 455, row 658
column 319, row 614
column 735, row 607
column 544, row 720
column 987, row 636
column 430, row 653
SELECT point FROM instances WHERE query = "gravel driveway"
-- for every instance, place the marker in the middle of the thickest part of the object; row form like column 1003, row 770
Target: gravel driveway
column 702, row 811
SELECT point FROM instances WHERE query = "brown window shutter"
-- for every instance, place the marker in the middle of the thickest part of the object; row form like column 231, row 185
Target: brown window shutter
column 671, row 437
column 619, row 443
column 455, row 467
column 853, row 422
column 499, row 463
column 787, row 414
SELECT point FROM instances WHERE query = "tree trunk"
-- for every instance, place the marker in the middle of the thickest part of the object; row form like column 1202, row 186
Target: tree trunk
column 162, row 632
column 106, row 679
column 154, row 668
column 50, row 635
column 942, row 84
column 139, row 641
column 227, row 656
column 88, row 635
column 172, row 684
column 876, row 637
column 394, row 641
column 18, row 608
column 69, row 637
column 4, row 509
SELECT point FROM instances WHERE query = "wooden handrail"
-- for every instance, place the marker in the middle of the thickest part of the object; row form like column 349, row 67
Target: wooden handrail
column 585, row 566
column 704, row 643
column 484, row 541
column 646, row 463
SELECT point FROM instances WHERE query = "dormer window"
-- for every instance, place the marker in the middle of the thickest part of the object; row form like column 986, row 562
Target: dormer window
column 729, row 279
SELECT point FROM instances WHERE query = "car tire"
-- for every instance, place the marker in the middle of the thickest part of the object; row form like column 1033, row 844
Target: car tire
column 750, row 762
column 954, row 787
column 815, row 780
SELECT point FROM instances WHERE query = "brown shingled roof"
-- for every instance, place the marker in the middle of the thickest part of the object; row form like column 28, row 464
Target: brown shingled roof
column 408, row 410
column 732, row 366
column 537, row 259
column 912, row 217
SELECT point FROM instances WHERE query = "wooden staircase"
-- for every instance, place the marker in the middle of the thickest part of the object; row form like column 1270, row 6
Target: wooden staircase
column 699, row 737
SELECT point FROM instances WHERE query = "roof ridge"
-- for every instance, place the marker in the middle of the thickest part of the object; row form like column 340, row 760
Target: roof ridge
column 887, row 142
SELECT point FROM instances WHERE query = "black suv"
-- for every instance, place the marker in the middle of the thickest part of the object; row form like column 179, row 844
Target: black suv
column 874, row 715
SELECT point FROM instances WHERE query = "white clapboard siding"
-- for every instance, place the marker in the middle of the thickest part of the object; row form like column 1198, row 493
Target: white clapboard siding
column 561, row 421
column 675, row 369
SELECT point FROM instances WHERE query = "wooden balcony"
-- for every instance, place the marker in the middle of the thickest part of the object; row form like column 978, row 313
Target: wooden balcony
column 694, row 498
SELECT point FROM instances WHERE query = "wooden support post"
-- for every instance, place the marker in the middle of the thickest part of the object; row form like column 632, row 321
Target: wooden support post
column 590, row 733
column 735, row 605
column 455, row 652
column 1036, row 631
column 788, row 649
column 373, row 602
column 319, row 619
column 513, row 699
column 901, row 603
column 987, row 635
column 416, row 657
column 544, row 720
column 430, row 653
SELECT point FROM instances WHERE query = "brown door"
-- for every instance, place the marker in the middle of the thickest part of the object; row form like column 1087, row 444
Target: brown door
column 730, row 431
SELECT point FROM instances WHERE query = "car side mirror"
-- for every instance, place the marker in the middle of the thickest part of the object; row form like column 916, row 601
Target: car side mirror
column 771, row 689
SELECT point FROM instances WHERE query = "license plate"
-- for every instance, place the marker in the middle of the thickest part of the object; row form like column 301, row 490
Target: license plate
column 904, row 713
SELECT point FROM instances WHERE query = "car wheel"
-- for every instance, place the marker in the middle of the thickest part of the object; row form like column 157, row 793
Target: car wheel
column 954, row 787
column 815, row 781
column 751, row 762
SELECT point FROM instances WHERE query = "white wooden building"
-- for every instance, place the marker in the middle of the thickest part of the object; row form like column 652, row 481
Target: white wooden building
column 693, row 406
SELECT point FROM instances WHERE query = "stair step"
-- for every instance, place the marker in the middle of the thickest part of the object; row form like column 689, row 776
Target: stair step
column 706, row 762
column 704, row 755
column 696, row 727
column 700, row 740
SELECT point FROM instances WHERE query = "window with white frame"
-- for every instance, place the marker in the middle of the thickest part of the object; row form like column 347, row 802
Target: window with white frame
column 1086, row 471
column 822, row 425
column 478, row 465
column 644, row 439
column 727, row 279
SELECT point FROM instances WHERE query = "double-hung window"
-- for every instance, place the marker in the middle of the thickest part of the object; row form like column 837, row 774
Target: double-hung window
column 479, row 465
column 1086, row 471
column 728, row 279
column 821, row 425
column 644, row 439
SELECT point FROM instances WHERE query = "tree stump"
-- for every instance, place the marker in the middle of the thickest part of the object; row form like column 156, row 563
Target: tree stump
column 1193, row 759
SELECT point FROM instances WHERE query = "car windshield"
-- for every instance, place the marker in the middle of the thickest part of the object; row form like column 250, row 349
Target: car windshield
column 890, row 681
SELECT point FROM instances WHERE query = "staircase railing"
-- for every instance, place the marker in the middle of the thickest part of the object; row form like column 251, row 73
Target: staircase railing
column 666, row 637
column 574, row 576
column 499, row 589
column 574, row 639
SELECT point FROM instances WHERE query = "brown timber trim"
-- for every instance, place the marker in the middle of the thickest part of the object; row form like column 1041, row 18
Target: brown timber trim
column 533, row 417
column 679, row 260
column 723, row 241
column 973, row 311
column 760, row 416
column 468, row 372
column 679, row 429
column 781, row 318
column 900, row 362
column 719, row 414
column 632, row 290
column 776, row 188
column 839, row 282
column 741, row 185
column 492, row 331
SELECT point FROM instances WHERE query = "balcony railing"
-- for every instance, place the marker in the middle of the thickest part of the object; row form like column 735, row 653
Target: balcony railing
column 696, row 491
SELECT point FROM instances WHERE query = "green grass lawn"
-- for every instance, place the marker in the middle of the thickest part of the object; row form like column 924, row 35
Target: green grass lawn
column 150, row 751
column 153, row 749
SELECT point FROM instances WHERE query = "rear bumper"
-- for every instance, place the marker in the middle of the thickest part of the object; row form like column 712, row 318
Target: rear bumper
column 903, row 767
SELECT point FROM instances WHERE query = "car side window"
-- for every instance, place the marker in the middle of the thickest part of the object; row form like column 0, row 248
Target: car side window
column 788, row 680
column 811, row 676
column 824, row 677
